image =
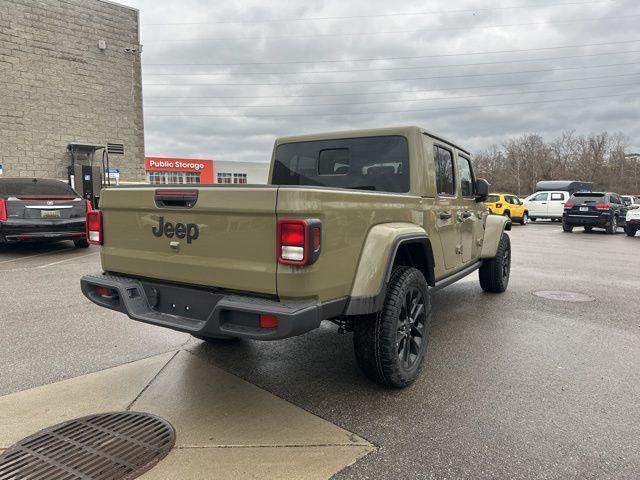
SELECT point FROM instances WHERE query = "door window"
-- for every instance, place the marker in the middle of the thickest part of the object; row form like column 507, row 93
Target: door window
column 445, row 173
column 466, row 176
column 541, row 197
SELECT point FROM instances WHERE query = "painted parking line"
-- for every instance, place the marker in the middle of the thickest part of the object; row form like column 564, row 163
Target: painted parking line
column 225, row 426
column 47, row 265
column 48, row 252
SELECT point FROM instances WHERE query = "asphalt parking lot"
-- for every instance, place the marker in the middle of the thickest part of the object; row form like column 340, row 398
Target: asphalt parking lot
column 515, row 385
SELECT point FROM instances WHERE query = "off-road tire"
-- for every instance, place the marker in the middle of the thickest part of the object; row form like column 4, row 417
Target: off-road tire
column 494, row 274
column 375, row 337
column 588, row 228
column 631, row 231
column 524, row 219
column 567, row 228
column 612, row 227
column 81, row 243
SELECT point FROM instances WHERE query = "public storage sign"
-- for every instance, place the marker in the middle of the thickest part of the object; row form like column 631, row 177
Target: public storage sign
column 162, row 170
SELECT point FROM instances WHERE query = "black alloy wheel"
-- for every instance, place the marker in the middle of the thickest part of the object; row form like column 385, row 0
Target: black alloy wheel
column 411, row 328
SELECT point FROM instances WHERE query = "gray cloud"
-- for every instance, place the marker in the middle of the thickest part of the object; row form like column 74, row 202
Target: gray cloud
column 230, row 128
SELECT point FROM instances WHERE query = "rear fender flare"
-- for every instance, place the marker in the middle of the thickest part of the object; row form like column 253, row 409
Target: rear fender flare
column 376, row 264
column 494, row 226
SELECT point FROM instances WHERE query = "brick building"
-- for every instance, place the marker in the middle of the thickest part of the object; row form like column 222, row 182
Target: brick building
column 69, row 72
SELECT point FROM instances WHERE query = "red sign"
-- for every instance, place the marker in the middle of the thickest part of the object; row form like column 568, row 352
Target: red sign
column 162, row 164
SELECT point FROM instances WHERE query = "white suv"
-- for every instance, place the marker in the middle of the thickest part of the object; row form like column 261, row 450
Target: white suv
column 633, row 220
column 546, row 205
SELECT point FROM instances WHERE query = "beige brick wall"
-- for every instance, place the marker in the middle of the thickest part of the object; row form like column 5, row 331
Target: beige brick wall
column 57, row 86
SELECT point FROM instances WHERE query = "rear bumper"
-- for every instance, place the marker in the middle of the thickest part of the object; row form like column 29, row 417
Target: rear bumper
column 38, row 230
column 601, row 220
column 206, row 313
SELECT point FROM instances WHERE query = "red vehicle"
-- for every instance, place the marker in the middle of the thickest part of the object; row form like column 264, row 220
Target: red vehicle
column 33, row 209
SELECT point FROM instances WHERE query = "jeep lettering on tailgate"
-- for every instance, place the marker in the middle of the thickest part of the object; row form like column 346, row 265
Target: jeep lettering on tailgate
column 181, row 230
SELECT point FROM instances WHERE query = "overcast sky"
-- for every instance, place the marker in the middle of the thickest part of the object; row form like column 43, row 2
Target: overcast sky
column 222, row 79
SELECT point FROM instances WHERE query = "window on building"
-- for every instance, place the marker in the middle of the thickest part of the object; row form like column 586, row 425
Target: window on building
column 225, row 177
column 179, row 178
column 239, row 178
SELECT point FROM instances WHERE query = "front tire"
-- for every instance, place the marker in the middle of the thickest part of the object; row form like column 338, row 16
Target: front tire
column 631, row 231
column 495, row 272
column 390, row 346
column 533, row 219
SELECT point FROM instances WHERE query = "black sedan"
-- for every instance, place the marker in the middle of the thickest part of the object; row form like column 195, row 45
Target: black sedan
column 33, row 209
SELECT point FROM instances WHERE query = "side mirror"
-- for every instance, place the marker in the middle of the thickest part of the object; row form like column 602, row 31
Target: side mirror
column 481, row 189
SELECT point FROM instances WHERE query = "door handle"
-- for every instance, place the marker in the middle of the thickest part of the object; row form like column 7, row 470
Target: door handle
column 543, row 203
column 445, row 215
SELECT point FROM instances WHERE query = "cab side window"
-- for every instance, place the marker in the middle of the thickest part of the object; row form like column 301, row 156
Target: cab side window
column 541, row 197
column 466, row 176
column 557, row 197
column 445, row 171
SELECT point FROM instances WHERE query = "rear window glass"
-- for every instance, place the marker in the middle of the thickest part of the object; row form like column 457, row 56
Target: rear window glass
column 588, row 197
column 492, row 199
column 31, row 187
column 368, row 163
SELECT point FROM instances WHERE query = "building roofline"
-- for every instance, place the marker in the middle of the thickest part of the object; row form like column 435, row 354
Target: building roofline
column 121, row 5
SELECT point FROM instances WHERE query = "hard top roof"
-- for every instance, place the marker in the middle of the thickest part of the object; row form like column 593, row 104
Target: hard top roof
column 369, row 132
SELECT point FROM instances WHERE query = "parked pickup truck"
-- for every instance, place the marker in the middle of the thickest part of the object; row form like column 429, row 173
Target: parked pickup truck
column 358, row 228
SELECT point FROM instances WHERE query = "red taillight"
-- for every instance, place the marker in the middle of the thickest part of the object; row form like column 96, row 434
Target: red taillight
column 299, row 241
column 567, row 206
column 3, row 210
column 89, row 206
column 293, row 234
column 94, row 227
column 268, row 321
column 603, row 206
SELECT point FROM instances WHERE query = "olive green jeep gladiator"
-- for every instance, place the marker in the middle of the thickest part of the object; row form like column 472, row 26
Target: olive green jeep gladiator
column 358, row 228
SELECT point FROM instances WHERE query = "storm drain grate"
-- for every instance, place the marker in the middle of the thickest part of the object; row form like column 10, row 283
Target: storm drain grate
column 107, row 446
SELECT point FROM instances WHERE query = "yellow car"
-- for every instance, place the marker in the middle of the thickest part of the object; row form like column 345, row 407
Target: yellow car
column 508, row 205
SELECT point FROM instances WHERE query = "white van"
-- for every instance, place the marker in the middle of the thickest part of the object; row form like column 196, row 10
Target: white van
column 548, row 205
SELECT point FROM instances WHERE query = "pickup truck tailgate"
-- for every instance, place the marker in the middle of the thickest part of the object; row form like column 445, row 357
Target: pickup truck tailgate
column 234, row 247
